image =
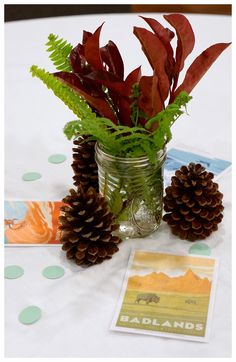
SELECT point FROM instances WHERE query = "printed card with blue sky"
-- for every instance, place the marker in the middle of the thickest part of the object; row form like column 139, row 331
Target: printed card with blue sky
column 177, row 157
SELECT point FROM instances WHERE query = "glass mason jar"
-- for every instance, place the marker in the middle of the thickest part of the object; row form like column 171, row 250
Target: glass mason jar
column 133, row 188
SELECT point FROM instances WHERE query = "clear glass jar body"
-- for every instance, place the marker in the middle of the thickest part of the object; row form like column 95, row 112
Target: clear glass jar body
column 133, row 188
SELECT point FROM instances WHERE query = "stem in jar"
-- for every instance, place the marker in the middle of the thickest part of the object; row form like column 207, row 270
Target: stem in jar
column 105, row 186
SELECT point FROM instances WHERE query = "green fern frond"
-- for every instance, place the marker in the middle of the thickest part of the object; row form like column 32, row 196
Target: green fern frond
column 60, row 51
column 166, row 118
column 125, row 130
column 101, row 130
column 123, row 141
column 71, row 128
column 72, row 100
column 172, row 111
column 120, row 141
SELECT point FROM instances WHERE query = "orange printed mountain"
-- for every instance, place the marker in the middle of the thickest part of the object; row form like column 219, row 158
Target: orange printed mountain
column 187, row 283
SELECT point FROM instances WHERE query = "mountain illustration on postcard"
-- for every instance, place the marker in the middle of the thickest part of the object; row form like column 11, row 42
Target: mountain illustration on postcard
column 31, row 222
column 186, row 283
column 167, row 294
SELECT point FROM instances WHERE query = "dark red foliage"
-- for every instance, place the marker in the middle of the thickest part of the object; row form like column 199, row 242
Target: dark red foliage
column 185, row 42
column 112, row 58
column 92, row 51
column 185, row 36
column 156, row 53
column 200, row 66
column 98, row 72
column 165, row 35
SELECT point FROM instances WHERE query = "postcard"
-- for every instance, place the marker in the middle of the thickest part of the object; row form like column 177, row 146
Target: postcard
column 167, row 295
column 177, row 157
column 31, row 222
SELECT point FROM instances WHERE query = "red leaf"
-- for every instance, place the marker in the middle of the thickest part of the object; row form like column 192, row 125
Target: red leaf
column 170, row 33
column 132, row 78
column 92, row 51
column 157, row 104
column 80, row 81
column 125, row 112
column 119, row 91
column 77, row 59
column 107, row 79
column 125, row 101
column 86, row 35
column 111, row 56
column 200, row 66
column 165, row 35
column 71, row 79
column 99, row 104
column 150, row 100
column 186, row 39
column 145, row 101
column 157, row 56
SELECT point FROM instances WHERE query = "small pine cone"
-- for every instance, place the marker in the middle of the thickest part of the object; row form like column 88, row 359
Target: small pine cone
column 84, row 164
column 193, row 203
column 87, row 226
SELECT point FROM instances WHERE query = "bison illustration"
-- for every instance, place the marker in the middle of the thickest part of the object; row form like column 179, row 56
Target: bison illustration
column 148, row 298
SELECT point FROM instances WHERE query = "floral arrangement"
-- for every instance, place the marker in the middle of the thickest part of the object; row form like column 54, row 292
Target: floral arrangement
column 130, row 116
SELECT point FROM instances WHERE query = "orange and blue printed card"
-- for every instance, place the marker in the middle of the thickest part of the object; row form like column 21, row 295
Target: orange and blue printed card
column 167, row 295
column 31, row 222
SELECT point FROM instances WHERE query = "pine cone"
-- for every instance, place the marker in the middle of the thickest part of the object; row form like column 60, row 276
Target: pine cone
column 87, row 226
column 193, row 203
column 84, row 164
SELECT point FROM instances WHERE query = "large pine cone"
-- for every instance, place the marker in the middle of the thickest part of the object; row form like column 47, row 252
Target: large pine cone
column 193, row 203
column 84, row 164
column 87, row 226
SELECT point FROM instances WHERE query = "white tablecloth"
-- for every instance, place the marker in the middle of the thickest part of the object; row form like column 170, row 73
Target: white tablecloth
column 77, row 310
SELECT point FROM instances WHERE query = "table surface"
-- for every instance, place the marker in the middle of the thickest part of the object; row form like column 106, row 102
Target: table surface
column 78, row 309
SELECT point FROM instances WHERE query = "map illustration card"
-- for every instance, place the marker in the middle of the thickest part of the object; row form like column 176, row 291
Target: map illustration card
column 167, row 295
column 177, row 157
column 31, row 222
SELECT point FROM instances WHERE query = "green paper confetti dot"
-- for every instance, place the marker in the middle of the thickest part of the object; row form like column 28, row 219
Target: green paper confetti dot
column 200, row 249
column 31, row 176
column 13, row 272
column 57, row 158
column 53, row 272
column 30, row 315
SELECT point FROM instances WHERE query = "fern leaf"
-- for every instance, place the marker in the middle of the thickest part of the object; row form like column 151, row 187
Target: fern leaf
column 172, row 111
column 116, row 202
column 131, row 142
column 125, row 131
column 72, row 100
column 71, row 129
column 60, row 51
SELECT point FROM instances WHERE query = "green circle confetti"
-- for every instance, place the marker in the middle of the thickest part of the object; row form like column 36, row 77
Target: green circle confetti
column 53, row 272
column 57, row 158
column 31, row 176
column 30, row 315
column 200, row 249
column 13, row 272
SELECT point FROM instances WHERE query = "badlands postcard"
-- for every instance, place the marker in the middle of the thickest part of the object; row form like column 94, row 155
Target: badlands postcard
column 167, row 295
